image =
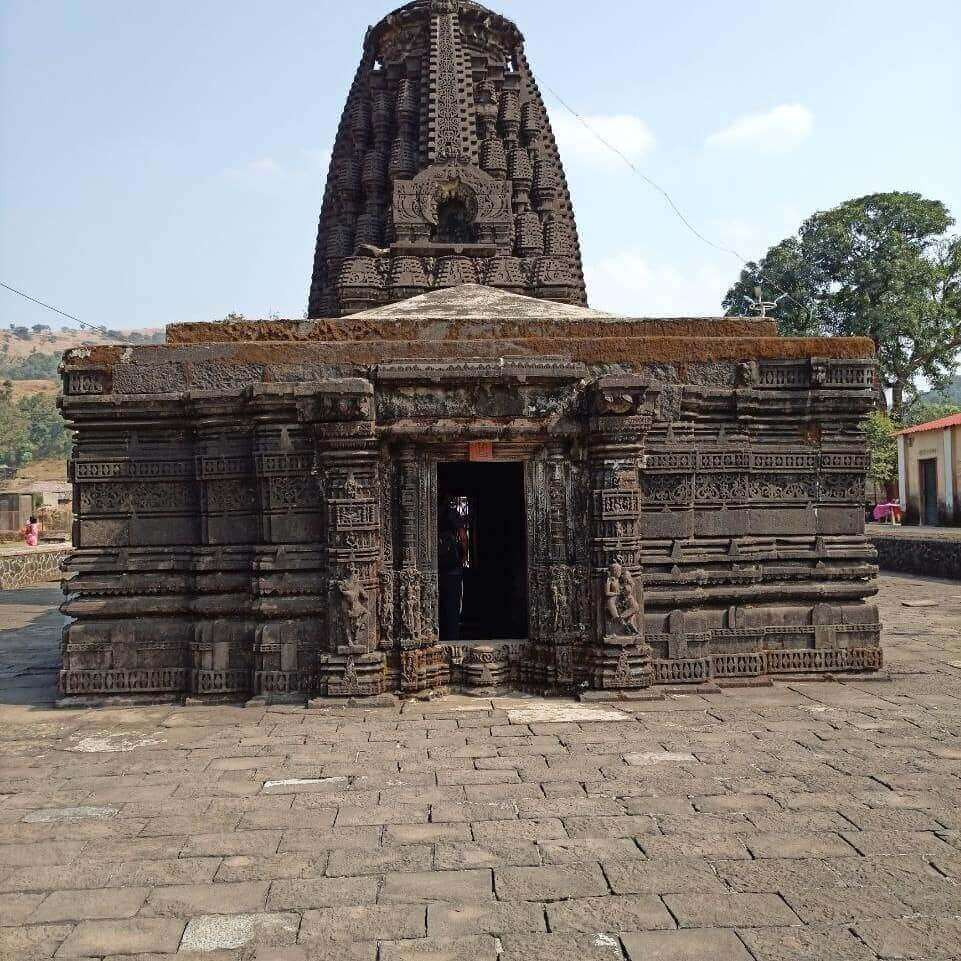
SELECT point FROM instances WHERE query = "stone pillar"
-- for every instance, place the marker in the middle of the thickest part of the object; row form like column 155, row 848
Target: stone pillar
column 555, row 581
column 423, row 664
column 948, row 476
column 619, row 417
column 341, row 415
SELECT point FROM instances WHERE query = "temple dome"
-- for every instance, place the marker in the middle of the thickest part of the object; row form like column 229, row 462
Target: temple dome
column 444, row 158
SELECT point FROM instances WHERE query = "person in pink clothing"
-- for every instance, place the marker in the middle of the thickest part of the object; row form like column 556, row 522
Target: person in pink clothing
column 31, row 533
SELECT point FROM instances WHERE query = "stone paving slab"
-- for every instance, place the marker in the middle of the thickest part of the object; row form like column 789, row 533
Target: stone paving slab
column 807, row 821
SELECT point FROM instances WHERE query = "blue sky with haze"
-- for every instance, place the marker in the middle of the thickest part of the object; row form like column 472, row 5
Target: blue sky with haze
column 163, row 162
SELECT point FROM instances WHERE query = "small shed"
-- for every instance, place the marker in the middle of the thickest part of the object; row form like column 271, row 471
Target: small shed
column 51, row 501
column 929, row 472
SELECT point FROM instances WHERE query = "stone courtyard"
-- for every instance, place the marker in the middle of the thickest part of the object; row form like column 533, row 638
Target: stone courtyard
column 805, row 821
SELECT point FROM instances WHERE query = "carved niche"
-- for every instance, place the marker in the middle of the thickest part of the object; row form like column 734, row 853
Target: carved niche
column 417, row 203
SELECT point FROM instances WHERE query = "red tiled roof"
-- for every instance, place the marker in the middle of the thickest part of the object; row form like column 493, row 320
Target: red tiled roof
column 953, row 421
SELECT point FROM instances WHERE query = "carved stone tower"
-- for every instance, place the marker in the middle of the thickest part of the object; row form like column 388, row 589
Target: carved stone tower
column 444, row 169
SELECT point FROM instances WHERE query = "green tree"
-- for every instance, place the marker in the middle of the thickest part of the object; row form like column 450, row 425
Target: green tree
column 880, row 430
column 881, row 266
column 31, row 428
column 46, row 432
column 14, row 442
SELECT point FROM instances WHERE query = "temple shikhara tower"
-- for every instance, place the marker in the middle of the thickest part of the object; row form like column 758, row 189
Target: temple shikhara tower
column 456, row 476
column 444, row 170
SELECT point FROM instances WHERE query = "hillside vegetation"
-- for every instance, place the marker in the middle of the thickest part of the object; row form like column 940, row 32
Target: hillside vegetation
column 33, row 437
column 33, row 353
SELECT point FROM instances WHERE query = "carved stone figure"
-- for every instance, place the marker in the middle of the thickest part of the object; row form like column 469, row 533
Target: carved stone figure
column 354, row 607
column 351, row 489
column 622, row 604
column 410, row 604
column 628, row 608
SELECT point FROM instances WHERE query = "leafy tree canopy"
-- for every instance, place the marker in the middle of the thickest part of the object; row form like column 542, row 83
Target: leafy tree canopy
column 35, row 366
column 880, row 430
column 881, row 266
column 31, row 428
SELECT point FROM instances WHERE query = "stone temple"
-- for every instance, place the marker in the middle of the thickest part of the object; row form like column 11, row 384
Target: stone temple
column 259, row 503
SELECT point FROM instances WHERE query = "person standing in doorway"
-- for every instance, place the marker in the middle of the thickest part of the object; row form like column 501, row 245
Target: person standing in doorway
column 451, row 556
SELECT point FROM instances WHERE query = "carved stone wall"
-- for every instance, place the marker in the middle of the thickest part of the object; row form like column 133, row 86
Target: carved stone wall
column 755, row 555
column 289, row 566
column 137, row 527
column 684, row 523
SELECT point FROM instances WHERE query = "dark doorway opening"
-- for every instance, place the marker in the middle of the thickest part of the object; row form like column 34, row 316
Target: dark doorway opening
column 929, row 492
column 485, row 503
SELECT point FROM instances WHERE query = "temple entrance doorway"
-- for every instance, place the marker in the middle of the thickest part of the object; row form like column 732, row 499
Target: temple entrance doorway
column 482, row 530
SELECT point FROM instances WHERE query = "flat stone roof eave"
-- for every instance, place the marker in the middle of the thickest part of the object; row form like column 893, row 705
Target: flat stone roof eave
column 587, row 350
column 443, row 328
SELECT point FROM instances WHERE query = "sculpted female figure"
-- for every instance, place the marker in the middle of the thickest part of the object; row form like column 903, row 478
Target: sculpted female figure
column 354, row 600
column 621, row 602
column 611, row 592
column 629, row 608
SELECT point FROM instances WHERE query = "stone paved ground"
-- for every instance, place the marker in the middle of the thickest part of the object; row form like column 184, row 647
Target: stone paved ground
column 801, row 822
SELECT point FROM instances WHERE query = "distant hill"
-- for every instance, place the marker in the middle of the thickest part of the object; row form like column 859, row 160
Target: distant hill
column 24, row 388
column 46, row 469
column 34, row 353
column 950, row 395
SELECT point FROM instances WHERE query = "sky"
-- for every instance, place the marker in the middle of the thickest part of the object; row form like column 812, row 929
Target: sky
column 166, row 162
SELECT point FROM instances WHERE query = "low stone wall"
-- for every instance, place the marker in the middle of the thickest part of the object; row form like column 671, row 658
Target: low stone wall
column 932, row 556
column 31, row 565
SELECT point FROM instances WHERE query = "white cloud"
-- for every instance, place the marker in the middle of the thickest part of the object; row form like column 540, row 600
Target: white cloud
column 627, row 283
column 628, row 133
column 777, row 131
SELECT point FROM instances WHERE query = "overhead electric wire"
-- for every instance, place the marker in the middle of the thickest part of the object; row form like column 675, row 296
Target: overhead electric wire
column 653, row 184
column 670, row 200
column 56, row 310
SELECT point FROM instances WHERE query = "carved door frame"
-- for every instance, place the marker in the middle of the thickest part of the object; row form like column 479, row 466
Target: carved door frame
column 455, row 453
